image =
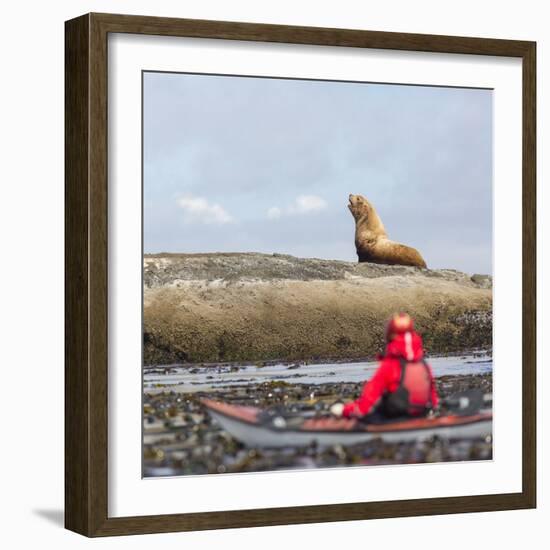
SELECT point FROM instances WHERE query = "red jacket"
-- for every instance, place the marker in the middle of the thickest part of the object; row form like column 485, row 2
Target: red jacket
column 387, row 378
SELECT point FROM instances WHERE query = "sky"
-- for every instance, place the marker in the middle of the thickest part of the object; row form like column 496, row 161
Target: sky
column 244, row 164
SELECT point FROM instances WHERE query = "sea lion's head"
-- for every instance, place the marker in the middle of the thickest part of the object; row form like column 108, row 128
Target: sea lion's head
column 359, row 206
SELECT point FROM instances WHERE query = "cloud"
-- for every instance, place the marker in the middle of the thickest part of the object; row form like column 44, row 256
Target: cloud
column 199, row 210
column 274, row 213
column 303, row 204
column 308, row 203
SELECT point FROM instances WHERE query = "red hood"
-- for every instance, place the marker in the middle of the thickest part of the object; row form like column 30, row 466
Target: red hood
column 407, row 345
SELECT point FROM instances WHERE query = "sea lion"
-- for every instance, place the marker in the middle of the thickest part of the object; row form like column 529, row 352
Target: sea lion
column 371, row 240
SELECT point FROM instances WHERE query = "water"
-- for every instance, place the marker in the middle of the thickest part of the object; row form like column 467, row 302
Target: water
column 180, row 379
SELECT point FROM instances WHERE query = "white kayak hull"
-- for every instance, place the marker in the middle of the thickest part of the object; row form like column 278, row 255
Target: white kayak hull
column 253, row 434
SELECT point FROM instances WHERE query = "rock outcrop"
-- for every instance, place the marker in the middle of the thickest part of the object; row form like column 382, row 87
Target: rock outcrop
column 259, row 307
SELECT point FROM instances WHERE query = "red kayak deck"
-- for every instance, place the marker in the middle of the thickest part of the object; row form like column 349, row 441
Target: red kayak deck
column 250, row 415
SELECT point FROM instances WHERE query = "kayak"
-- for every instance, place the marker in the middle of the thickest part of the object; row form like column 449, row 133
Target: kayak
column 252, row 427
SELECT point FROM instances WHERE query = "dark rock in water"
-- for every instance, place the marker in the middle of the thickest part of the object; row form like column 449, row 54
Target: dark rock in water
column 447, row 385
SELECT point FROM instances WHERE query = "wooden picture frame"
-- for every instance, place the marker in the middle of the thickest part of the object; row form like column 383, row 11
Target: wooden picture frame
column 86, row 283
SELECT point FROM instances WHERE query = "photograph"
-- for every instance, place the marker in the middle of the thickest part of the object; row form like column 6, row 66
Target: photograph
column 317, row 274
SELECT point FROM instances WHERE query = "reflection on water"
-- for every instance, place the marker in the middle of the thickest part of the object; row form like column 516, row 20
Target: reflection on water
column 187, row 379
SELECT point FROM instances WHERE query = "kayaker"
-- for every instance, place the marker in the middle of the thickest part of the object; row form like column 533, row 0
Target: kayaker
column 403, row 385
